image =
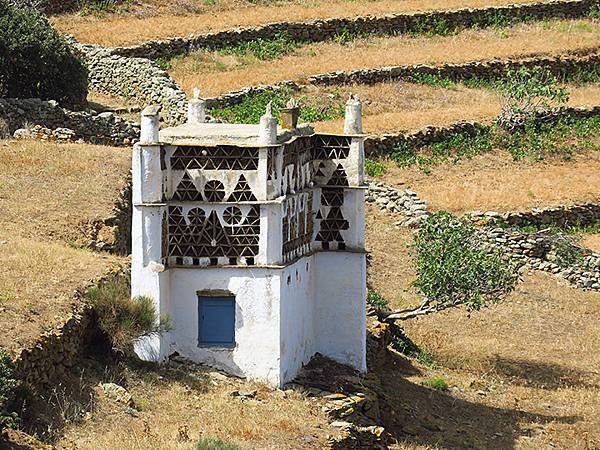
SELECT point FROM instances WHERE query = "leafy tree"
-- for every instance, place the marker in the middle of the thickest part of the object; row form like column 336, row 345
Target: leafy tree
column 453, row 270
column 37, row 61
column 529, row 94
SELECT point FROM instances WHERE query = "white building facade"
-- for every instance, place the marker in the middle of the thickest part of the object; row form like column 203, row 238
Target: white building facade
column 251, row 238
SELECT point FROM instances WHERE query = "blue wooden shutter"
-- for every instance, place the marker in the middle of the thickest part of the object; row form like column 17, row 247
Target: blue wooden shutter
column 216, row 321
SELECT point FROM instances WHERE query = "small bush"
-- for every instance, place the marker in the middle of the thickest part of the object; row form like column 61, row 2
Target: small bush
column 210, row 443
column 264, row 49
column 452, row 269
column 41, row 62
column 7, row 391
column 123, row 319
column 376, row 301
column 529, row 94
column 437, row 383
column 374, row 168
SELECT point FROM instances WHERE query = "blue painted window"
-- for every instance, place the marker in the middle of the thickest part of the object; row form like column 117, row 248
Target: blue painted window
column 216, row 321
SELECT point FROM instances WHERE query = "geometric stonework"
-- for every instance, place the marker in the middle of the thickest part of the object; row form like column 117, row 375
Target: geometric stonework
column 214, row 191
column 297, row 226
column 331, row 226
column 230, row 234
column 331, row 147
column 186, row 190
column 338, row 177
column 242, row 192
column 222, row 157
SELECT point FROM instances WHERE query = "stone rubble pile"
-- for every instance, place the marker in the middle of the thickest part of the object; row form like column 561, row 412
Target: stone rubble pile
column 404, row 202
column 536, row 251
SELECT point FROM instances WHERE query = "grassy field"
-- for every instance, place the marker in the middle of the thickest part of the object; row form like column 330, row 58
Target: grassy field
column 220, row 72
column 137, row 22
column 46, row 192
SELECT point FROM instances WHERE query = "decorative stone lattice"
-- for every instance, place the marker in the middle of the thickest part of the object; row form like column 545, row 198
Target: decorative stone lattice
column 207, row 237
column 222, row 157
column 298, row 226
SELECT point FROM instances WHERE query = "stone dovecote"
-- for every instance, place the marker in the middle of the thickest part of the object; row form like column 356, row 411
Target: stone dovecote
column 269, row 220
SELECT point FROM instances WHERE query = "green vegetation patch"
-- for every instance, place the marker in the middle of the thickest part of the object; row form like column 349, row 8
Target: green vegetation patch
column 374, row 168
column 8, row 386
column 211, row 443
column 36, row 59
column 124, row 319
column 452, row 269
column 436, row 382
column 252, row 107
column 264, row 49
column 535, row 142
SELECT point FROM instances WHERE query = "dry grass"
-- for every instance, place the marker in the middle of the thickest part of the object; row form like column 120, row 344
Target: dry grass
column 522, row 373
column 496, row 182
column 217, row 74
column 391, row 107
column 46, row 190
column 591, row 241
column 174, row 402
column 160, row 20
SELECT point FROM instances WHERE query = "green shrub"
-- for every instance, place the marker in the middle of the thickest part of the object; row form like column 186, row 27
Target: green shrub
column 37, row 61
column 252, row 107
column 566, row 252
column 7, row 390
column 264, row 49
column 123, row 319
column 452, row 269
column 376, row 301
column 374, row 168
column 403, row 344
column 437, row 383
column 210, row 443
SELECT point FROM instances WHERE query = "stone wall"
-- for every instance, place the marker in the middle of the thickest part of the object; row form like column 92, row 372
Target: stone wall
column 134, row 78
column 57, row 350
column 104, row 128
column 537, row 250
column 385, row 144
column 584, row 59
column 581, row 60
column 113, row 234
column 325, row 29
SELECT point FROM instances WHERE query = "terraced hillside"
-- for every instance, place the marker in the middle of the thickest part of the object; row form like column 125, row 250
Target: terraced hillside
column 223, row 71
column 520, row 374
column 160, row 20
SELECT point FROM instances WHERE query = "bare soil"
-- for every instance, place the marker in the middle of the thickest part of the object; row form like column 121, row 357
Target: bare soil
column 159, row 19
column 46, row 192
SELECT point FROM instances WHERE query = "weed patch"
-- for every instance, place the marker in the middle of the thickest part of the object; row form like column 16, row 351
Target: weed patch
column 374, row 168
column 210, row 443
column 8, row 386
column 253, row 107
column 264, row 49
column 437, row 383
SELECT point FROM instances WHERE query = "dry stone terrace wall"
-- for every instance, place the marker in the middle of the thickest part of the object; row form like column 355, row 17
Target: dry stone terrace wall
column 586, row 59
column 385, row 144
column 134, row 78
column 104, row 128
column 533, row 250
column 324, row 29
column 573, row 62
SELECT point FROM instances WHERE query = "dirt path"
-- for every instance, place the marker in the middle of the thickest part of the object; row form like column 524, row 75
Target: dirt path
column 161, row 20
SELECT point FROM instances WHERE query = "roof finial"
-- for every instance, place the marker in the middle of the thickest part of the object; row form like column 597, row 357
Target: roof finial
column 269, row 111
column 196, row 93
